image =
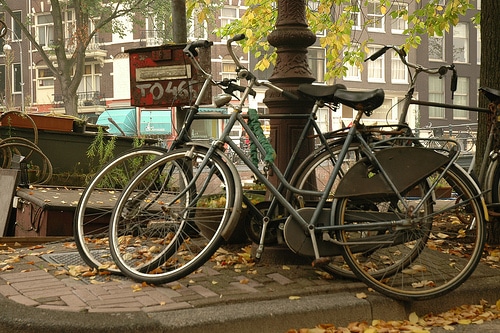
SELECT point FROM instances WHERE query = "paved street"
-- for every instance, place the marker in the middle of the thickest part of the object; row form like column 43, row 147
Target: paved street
column 47, row 288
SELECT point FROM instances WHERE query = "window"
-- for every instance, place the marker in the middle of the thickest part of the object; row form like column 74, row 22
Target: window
column 478, row 84
column 16, row 28
column 375, row 19
column 45, row 77
column 156, row 31
column 376, row 67
column 228, row 68
column 460, row 43
column 398, row 25
column 313, row 6
column 461, row 98
column 197, row 30
column 45, row 29
column 384, row 111
column 316, row 62
column 2, row 79
column 228, row 14
column 356, row 19
column 91, row 81
column 353, row 72
column 478, row 45
column 2, row 40
column 17, row 76
column 436, row 94
column 436, row 48
column 70, row 23
column 399, row 74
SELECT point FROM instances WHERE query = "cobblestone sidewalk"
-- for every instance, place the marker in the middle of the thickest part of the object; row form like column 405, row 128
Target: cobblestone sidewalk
column 32, row 280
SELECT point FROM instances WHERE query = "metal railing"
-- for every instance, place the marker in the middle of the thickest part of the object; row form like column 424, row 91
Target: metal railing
column 89, row 98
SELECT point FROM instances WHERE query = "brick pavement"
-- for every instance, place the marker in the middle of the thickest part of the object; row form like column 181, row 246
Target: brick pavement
column 27, row 278
column 38, row 295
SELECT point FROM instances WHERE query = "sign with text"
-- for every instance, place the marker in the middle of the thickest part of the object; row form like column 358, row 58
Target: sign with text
column 164, row 76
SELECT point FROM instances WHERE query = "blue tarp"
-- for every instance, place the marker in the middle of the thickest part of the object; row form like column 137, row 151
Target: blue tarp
column 152, row 122
column 125, row 119
column 156, row 122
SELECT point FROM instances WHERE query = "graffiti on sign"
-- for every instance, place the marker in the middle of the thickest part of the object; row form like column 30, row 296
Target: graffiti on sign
column 163, row 76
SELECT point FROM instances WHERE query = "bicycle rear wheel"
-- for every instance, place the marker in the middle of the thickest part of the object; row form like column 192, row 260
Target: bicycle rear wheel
column 93, row 212
column 436, row 248
column 173, row 216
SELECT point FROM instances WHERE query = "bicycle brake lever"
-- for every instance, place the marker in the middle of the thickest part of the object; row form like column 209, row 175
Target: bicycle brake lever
column 231, row 88
column 454, row 79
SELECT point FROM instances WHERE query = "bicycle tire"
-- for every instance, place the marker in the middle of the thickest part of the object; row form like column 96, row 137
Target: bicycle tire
column 493, row 178
column 451, row 236
column 172, row 230
column 93, row 212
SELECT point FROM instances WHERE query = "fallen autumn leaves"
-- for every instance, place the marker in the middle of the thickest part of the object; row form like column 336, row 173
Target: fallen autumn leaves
column 462, row 315
column 240, row 260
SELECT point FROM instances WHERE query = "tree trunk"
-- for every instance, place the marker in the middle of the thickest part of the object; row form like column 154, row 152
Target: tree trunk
column 490, row 77
column 70, row 103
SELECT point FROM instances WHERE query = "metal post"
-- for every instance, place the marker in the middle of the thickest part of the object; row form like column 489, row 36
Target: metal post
column 291, row 38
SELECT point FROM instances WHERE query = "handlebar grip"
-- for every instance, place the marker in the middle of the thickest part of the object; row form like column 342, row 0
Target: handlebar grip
column 378, row 53
column 238, row 37
column 191, row 47
column 454, row 79
column 202, row 43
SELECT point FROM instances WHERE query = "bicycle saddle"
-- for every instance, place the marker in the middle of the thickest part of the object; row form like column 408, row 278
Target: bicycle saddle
column 367, row 100
column 492, row 94
column 325, row 92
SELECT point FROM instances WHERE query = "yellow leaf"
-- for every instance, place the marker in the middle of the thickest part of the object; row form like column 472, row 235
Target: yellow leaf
column 96, row 282
column 293, row 298
column 361, row 295
column 249, row 33
column 413, row 318
column 136, row 287
column 464, row 321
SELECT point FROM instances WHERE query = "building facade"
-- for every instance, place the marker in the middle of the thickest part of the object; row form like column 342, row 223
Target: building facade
column 27, row 84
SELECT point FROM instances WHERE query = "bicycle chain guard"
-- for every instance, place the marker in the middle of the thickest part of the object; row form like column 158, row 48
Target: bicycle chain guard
column 406, row 166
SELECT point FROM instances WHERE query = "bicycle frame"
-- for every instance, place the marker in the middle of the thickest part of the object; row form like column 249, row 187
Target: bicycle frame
column 277, row 196
column 307, row 226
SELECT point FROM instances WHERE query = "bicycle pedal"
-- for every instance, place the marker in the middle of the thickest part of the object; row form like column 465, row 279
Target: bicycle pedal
column 320, row 262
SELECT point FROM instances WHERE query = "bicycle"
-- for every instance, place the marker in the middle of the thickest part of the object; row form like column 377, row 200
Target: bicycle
column 93, row 212
column 176, row 211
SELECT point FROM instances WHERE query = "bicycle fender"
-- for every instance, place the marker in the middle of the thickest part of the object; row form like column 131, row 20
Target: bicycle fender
column 238, row 196
column 406, row 166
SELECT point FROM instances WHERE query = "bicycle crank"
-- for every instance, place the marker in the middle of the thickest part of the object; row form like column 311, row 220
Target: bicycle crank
column 299, row 241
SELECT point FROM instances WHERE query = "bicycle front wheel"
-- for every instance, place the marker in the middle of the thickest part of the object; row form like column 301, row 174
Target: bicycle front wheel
column 93, row 212
column 433, row 247
column 173, row 216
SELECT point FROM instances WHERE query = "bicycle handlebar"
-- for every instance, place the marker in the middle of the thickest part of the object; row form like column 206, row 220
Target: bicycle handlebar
column 246, row 74
column 442, row 70
column 190, row 48
column 241, row 71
